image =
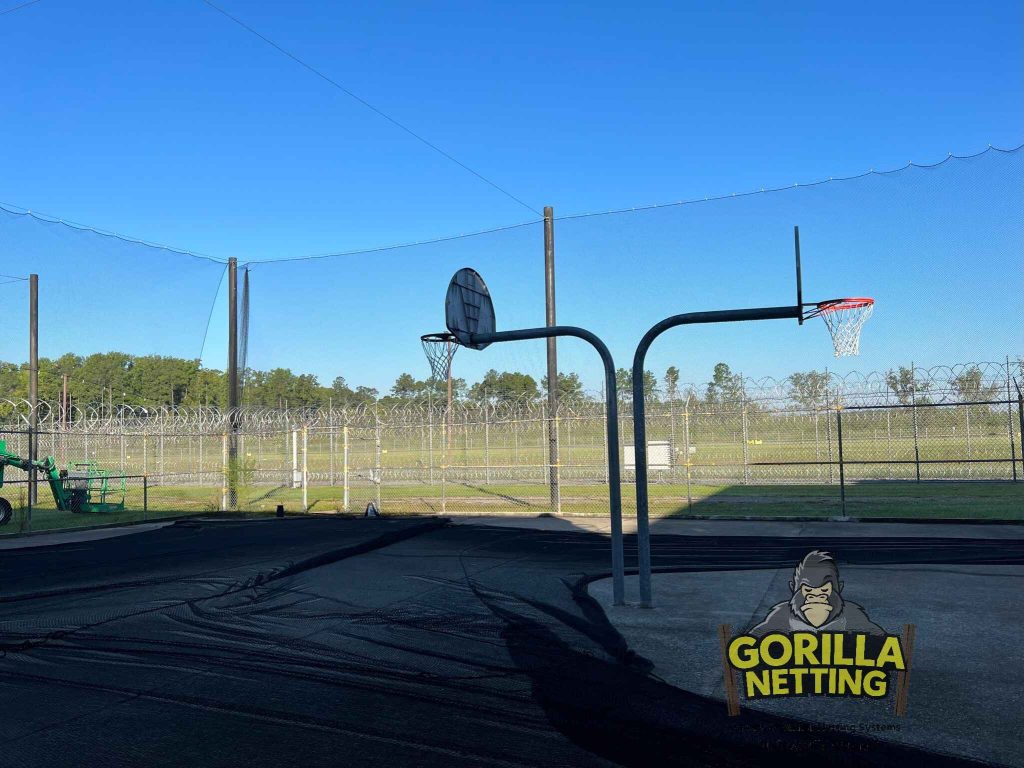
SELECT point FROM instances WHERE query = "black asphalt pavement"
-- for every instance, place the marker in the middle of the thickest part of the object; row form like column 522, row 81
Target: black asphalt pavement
column 315, row 642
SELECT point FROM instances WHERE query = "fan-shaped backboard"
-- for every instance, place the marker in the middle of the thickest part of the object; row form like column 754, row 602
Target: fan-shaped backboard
column 468, row 307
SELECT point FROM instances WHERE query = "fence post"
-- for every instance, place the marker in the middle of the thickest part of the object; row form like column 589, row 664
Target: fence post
column 828, row 442
column 1009, row 422
column 746, row 444
column 224, row 473
column 487, row 447
column 686, row 437
column 604, row 452
column 967, row 420
column 305, row 468
column 344, row 465
column 913, row 407
column 1020, row 421
column 379, row 474
column 842, row 473
column 330, row 437
column 672, row 450
column 556, row 470
column 430, row 443
column 145, row 496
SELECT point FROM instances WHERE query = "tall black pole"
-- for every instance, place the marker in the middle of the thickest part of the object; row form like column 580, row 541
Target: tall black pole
column 33, row 387
column 549, row 306
column 612, row 427
column 232, row 382
column 643, row 530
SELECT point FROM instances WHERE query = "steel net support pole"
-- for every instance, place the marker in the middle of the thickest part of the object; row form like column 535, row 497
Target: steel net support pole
column 232, row 496
column 33, row 391
column 549, row 307
column 643, row 529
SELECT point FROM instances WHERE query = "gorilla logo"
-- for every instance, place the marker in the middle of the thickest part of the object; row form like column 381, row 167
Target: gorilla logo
column 817, row 603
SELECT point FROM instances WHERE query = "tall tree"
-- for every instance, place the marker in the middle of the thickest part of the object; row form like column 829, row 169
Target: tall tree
column 569, row 386
column 672, row 383
column 970, row 385
column 905, row 386
column 624, row 383
column 725, row 387
column 809, row 390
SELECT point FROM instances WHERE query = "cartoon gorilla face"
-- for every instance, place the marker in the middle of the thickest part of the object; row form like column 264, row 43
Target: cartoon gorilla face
column 817, row 590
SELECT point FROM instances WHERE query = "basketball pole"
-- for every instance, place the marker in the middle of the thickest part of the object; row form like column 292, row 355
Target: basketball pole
column 611, row 428
column 549, row 308
column 643, row 529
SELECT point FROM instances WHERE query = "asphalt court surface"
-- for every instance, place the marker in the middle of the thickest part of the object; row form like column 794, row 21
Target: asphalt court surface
column 307, row 642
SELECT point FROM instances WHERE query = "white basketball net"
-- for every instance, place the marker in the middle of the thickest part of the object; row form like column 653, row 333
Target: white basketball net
column 844, row 318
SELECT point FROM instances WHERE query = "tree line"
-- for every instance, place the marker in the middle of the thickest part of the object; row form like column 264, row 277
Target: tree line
column 114, row 378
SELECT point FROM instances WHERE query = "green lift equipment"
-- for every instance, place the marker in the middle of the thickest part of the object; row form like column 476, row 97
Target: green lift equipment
column 82, row 487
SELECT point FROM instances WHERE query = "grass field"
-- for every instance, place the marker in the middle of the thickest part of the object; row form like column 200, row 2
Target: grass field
column 909, row 500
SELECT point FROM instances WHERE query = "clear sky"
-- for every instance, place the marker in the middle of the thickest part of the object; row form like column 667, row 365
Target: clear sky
column 170, row 122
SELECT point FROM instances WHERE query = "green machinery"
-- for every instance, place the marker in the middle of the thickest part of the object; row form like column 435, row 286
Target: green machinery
column 82, row 487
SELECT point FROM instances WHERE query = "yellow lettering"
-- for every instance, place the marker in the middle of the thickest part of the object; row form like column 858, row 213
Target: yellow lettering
column 862, row 659
column 785, row 650
column 758, row 680
column 849, row 681
column 805, row 646
column 798, row 680
column 838, row 658
column 742, row 653
column 875, row 683
column 780, row 685
column 891, row 653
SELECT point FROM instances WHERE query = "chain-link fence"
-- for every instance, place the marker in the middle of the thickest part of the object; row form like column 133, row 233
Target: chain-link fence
column 768, row 449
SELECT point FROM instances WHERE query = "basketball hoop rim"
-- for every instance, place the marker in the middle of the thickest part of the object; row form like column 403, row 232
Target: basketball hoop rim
column 439, row 337
column 836, row 305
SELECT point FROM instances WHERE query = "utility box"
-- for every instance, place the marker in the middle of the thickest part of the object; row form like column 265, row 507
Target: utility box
column 659, row 455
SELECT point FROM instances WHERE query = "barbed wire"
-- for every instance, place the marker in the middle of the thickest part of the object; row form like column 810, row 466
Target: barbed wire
column 935, row 385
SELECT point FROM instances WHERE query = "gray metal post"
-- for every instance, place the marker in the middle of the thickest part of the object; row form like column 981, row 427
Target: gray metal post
column 686, row 449
column 1020, row 420
column 745, row 432
column 232, row 469
column 305, row 468
column 612, row 428
column 643, row 529
column 1009, row 422
column 487, row 447
column 549, row 305
column 379, row 474
column 913, row 416
column 33, row 389
column 842, row 473
column 344, row 459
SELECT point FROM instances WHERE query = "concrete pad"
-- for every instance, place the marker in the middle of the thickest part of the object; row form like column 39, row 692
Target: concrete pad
column 73, row 536
column 967, row 683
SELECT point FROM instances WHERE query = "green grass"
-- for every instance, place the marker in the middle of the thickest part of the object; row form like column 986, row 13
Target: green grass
column 934, row 500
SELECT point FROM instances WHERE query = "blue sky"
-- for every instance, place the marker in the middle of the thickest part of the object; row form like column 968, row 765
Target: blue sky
column 168, row 121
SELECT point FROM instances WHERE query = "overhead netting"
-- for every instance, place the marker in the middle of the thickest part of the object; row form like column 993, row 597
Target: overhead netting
column 121, row 330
